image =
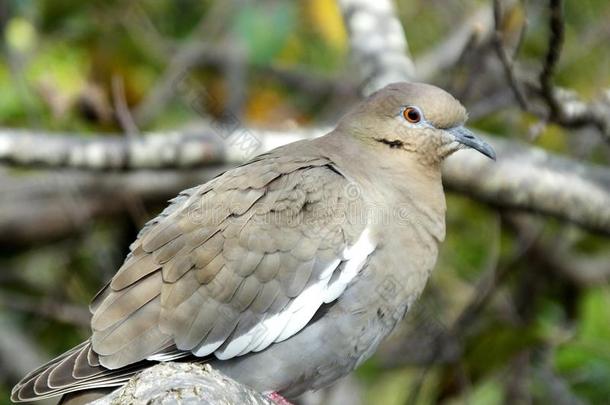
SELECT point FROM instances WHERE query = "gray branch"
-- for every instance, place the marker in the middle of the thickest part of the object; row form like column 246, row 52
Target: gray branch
column 573, row 112
column 379, row 45
column 532, row 179
column 185, row 383
column 170, row 149
column 45, row 206
column 523, row 178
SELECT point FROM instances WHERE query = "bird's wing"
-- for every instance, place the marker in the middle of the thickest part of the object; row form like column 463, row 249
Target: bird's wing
column 234, row 265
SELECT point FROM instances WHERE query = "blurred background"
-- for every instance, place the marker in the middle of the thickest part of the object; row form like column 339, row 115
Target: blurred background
column 518, row 309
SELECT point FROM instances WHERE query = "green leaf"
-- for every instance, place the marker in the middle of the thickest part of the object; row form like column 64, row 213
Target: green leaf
column 264, row 29
column 495, row 346
column 585, row 360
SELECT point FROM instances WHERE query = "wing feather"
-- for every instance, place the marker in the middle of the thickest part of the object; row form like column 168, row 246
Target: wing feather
column 135, row 268
column 270, row 272
column 123, row 303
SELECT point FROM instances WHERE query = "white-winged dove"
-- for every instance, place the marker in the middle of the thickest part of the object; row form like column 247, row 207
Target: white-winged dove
column 287, row 272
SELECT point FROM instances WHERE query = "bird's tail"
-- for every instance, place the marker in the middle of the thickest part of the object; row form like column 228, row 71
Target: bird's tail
column 77, row 369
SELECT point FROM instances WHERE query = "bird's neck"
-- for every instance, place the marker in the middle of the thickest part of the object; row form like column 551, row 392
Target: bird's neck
column 406, row 188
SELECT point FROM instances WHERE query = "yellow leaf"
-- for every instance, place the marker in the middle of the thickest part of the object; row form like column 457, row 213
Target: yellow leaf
column 262, row 105
column 327, row 20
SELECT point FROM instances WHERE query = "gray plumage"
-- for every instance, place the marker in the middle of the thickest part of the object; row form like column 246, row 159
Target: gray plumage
column 287, row 272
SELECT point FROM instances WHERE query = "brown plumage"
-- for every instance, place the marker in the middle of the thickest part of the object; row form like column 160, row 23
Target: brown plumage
column 234, row 271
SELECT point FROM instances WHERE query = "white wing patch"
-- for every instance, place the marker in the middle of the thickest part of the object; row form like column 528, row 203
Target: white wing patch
column 168, row 356
column 207, row 348
column 355, row 257
column 299, row 312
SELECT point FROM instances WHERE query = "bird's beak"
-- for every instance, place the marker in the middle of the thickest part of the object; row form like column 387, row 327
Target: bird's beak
column 465, row 136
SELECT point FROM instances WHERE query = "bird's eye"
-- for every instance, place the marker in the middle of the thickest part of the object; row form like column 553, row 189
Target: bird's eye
column 412, row 115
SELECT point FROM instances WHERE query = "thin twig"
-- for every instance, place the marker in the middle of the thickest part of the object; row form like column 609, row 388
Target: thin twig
column 473, row 32
column 521, row 38
column 564, row 107
column 556, row 37
column 576, row 113
column 507, row 61
column 121, row 108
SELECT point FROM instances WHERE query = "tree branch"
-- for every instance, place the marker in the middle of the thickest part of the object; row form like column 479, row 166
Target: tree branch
column 507, row 61
column 524, row 178
column 379, row 46
column 45, row 206
column 531, row 179
column 573, row 112
column 473, row 31
column 168, row 383
column 171, row 149
column 556, row 26
column 561, row 106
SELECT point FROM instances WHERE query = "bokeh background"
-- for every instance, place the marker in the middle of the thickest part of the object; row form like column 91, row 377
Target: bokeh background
column 518, row 309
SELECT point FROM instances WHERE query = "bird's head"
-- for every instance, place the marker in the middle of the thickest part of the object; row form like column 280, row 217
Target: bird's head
column 418, row 119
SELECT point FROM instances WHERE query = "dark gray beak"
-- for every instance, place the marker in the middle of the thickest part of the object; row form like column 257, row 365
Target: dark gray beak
column 464, row 136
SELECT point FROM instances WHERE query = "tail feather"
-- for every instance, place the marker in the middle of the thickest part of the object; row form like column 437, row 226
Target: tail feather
column 53, row 362
column 58, row 376
column 77, row 369
column 86, row 365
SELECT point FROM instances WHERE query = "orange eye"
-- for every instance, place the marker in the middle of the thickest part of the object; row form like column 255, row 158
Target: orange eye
column 412, row 115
